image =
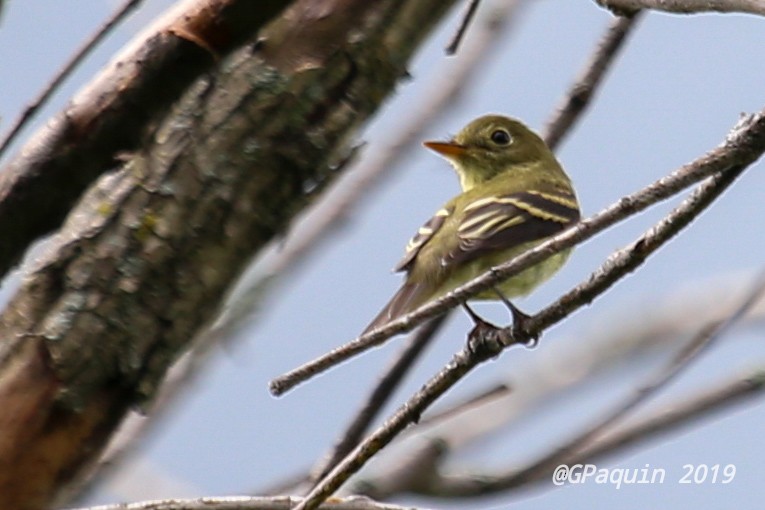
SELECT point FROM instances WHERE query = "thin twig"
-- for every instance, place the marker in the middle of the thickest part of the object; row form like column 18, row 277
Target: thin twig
column 563, row 119
column 380, row 161
column 481, row 398
column 468, row 358
column 678, row 413
column 379, row 396
column 249, row 503
column 66, row 71
column 700, row 343
column 578, row 97
column 744, row 145
column 467, row 18
column 624, row 261
column 685, row 6
column 303, row 241
column 669, row 419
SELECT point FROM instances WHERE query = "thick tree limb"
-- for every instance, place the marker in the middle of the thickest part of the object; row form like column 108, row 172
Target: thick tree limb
column 112, row 114
column 146, row 257
column 376, row 165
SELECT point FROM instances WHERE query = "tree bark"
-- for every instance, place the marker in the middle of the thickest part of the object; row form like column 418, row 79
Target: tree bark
column 145, row 258
column 39, row 186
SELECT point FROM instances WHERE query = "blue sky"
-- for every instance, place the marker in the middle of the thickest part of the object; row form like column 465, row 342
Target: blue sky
column 678, row 88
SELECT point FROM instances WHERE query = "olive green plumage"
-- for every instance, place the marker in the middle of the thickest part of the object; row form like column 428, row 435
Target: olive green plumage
column 515, row 194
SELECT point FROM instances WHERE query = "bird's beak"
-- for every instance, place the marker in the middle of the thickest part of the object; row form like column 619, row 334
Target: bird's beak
column 448, row 149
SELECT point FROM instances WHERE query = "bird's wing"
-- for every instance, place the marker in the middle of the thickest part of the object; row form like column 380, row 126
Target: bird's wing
column 423, row 235
column 411, row 294
column 408, row 297
column 504, row 221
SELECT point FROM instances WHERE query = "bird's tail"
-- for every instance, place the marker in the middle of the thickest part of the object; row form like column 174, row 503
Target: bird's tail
column 409, row 296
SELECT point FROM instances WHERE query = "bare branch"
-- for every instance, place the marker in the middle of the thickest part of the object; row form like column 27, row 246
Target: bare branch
column 582, row 91
column 250, row 503
column 677, row 414
column 573, row 450
column 145, row 260
column 744, row 145
column 469, row 357
column 669, row 419
column 112, row 113
column 66, row 71
column 560, row 373
column 379, row 396
column 467, row 18
column 685, row 6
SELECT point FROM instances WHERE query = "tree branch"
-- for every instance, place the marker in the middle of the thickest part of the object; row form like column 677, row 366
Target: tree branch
column 744, row 145
column 66, row 71
column 685, row 6
column 467, row 18
column 109, row 116
column 580, row 94
column 465, row 361
column 380, row 395
column 677, row 414
column 573, row 450
column 148, row 254
column 250, row 503
column 463, row 484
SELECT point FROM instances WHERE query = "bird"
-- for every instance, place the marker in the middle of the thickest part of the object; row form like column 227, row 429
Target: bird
column 515, row 194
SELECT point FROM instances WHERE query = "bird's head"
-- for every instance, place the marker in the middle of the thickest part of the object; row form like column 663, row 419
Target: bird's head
column 491, row 145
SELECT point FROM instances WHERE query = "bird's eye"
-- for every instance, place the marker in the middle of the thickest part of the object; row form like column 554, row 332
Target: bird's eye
column 501, row 137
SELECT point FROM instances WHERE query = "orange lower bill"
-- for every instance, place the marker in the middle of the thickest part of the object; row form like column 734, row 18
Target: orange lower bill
column 445, row 148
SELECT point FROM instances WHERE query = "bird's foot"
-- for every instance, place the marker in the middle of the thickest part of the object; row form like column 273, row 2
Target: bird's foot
column 520, row 330
column 485, row 339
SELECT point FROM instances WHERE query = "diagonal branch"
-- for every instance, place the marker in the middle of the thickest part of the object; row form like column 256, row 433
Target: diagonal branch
column 144, row 261
column 583, row 90
column 677, row 414
column 379, row 396
column 66, row 71
column 685, row 6
column 111, row 115
column 250, row 503
column 669, row 419
column 574, row 447
column 467, row 18
column 743, row 146
column 468, row 358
